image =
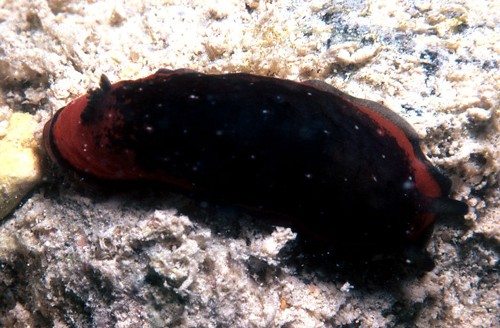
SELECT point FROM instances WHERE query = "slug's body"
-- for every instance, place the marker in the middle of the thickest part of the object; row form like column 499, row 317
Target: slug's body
column 346, row 170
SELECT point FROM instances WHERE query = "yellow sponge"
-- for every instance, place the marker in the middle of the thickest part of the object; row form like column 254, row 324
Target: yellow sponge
column 20, row 167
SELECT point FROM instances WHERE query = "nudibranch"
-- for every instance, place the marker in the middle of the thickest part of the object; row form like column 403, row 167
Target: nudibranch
column 345, row 170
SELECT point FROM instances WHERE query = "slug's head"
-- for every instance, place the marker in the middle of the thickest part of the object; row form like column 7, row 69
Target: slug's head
column 86, row 136
column 67, row 132
column 48, row 139
column 60, row 130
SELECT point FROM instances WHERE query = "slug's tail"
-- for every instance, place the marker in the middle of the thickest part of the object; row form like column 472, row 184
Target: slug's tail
column 447, row 206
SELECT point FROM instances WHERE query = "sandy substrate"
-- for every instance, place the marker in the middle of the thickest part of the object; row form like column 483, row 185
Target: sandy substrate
column 78, row 254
